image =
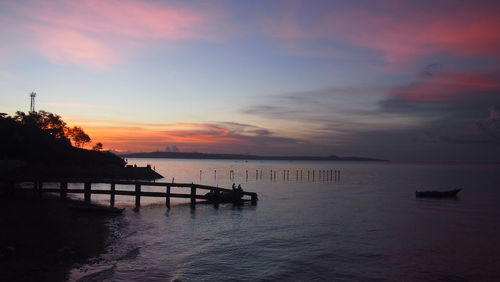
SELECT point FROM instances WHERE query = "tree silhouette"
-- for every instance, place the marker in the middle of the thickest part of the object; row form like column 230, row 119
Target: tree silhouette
column 36, row 139
column 97, row 147
column 78, row 136
column 51, row 123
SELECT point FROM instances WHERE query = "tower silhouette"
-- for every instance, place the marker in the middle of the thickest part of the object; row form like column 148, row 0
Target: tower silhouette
column 32, row 106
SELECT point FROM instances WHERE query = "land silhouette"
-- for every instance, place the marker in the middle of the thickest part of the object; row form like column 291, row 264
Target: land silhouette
column 186, row 155
column 44, row 146
column 43, row 237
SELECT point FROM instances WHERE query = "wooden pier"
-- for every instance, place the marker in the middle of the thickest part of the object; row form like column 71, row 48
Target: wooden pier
column 138, row 192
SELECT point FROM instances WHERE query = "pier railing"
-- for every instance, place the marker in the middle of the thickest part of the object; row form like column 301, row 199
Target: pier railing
column 87, row 191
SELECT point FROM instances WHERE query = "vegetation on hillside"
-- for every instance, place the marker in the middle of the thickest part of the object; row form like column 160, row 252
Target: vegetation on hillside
column 43, row 138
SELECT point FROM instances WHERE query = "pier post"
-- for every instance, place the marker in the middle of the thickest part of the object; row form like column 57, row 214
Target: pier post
column 64, row 190
column 167, row 198
column 254, row 199
column 193, row 197
column 217, row 197
column 87, row 193
column 112, row 195
column 137, row 195
column 39, row 188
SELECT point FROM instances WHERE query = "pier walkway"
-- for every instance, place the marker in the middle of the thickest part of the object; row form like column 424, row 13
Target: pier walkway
column 138, row 192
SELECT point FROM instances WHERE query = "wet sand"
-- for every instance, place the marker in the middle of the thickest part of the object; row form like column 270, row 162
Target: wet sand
column 42, row 239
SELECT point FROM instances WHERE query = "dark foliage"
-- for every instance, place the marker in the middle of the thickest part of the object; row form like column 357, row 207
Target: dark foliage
column 39, row 144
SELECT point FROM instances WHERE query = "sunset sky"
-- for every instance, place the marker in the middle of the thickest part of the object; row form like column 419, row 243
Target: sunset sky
column 401, row 80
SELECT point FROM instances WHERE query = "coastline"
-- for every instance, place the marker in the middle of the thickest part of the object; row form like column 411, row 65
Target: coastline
column 42, row 239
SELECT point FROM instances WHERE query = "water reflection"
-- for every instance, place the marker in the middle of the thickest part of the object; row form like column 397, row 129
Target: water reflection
column 368, row 226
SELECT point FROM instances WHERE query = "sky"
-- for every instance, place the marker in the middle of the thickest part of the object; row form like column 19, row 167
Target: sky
column 399, row 80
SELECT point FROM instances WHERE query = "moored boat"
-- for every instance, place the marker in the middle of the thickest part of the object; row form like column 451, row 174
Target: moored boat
column 437, row 194
column 225, row 196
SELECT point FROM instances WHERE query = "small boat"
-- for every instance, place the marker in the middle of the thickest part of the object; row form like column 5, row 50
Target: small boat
column 437, row 194
column 232, row 196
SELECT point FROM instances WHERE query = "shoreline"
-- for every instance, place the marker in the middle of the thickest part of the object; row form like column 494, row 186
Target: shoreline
column 43, row 239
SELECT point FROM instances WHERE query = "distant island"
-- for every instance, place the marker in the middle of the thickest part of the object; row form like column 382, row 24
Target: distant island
column 185, row 155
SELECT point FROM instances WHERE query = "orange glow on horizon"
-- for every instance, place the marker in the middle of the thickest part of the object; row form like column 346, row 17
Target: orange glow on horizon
column 124, row 137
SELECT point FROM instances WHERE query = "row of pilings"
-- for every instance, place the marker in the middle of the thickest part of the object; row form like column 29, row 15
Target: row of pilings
column 310, row 175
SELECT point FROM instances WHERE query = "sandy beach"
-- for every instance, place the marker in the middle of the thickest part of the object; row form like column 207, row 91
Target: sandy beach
column 42, row 239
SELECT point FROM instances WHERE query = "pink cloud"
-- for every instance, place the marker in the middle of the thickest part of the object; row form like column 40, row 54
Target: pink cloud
column 68, row 47
column 129, row 18
column 451, row 87
column 399, row 32
column 100, row 34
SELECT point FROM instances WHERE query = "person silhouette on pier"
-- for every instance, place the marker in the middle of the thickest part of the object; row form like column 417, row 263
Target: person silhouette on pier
column 239, row 187
column 234, row 186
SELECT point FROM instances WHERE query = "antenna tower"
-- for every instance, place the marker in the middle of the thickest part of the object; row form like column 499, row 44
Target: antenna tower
column 32, row 106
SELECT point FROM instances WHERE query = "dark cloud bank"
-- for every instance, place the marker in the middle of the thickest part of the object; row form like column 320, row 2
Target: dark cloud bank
column 441, row 117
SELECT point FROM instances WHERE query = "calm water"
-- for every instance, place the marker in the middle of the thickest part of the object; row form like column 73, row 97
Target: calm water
column 367, row 226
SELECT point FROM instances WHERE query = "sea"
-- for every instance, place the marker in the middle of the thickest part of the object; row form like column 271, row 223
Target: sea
column 314, row 221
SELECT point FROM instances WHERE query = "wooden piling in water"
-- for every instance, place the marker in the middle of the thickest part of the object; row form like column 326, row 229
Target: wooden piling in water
column 87, row 193
column 167, row 198
column 193, row 197
column 112, row 195
column 254, row 199
column 137, row 195
column 64, row 190
column 217, row 195
column 39, row 188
